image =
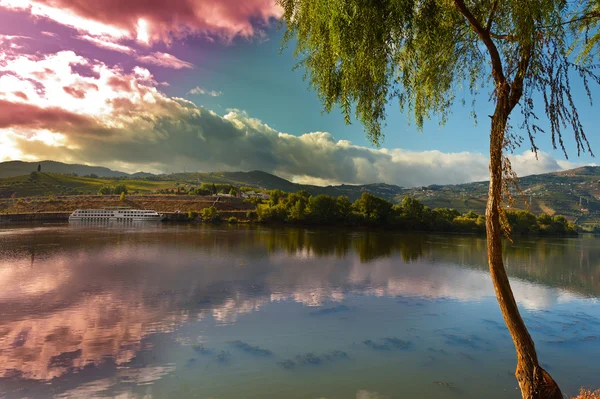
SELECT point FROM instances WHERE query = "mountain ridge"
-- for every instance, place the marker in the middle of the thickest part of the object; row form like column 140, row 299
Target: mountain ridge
column 574, row 193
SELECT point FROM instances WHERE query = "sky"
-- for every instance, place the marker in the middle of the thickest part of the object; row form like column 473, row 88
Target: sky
column 201, row 85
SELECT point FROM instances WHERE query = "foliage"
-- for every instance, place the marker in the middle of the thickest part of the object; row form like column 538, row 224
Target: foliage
column 120, row 189
column 366, row 54
column 211, row 214
column 105, row 190
column 588, row 394
column 199, row 191
column 584, row 25
column 373, row 209
column 192, row 215
column 232, row 220
column 369, row 210
column 276, row 196
column 362, row 54
column 251, row 215
column 322, row 209
column 117, row 190
column 122, row 197
column 253, row 200
column 271, row 213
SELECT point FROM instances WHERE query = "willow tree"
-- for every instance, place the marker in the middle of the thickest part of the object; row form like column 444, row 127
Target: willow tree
column 362, row 54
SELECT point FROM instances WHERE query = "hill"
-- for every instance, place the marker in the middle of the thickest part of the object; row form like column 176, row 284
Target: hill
column 45, row 184
column 573, row 193
column 20, row 168
column 266, row 181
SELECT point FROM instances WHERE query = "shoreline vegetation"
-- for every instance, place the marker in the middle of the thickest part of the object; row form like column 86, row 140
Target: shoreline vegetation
column 300, row 209
column 411, row 215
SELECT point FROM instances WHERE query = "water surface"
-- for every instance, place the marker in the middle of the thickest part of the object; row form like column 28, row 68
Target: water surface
column 176, row 311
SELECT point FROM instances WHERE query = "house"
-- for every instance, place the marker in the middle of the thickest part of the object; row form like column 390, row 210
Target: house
column 253, row 194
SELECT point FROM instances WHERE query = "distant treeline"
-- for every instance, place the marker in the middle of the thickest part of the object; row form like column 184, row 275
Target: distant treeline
column 369, row 210
column 205, row 189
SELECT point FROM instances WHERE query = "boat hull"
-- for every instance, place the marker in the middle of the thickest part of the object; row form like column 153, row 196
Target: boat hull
column 117, row 219
column 116, row 215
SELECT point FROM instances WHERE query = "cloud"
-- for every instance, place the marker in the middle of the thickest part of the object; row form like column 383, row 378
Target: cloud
column 200, row 91
column 164, row 60
column 14, row 114
column 64, row 106
column 12, row 42
column 107, row 44
column 150, row 22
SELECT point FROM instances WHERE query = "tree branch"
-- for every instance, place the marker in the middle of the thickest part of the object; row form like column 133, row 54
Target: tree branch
column 517, row 84
column 507, row 37
column 497, row 72
column 490, row 20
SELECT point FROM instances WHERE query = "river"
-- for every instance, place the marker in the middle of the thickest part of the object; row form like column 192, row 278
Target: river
column 185, row 311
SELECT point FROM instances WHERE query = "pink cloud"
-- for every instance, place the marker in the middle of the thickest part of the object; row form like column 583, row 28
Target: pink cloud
column 21, row 95
column 164, row 60
column 47, row 72
column 155, row 21
column 107, row 44
column 77, row 93
column 118, row 84
column 31, row 116
column 11, row 42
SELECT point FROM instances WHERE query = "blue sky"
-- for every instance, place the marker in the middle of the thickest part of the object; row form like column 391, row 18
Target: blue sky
column 253, row 76
column 123, row 95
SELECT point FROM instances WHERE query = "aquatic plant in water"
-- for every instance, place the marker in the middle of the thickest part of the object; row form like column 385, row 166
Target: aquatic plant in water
column 326, row 311
column 223, row 356
column 200, row 348
column 388, row 344
column 254, row 350
column 312, row 359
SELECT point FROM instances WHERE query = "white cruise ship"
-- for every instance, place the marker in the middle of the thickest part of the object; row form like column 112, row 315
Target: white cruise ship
column 116, row 215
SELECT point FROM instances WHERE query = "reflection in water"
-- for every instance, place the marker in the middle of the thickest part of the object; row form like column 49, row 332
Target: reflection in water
column 135, row 311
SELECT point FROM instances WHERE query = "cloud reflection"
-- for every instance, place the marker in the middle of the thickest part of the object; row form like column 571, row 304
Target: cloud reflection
column 90, row 298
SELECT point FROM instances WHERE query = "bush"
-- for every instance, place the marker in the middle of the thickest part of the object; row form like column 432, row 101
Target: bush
column 192, row 215
column 232, row 220
column 267, row 213
column 120, row 189
column 251, row 215
column 122, row 197
column 253, row 201
column 105, row 190
column 211, row 214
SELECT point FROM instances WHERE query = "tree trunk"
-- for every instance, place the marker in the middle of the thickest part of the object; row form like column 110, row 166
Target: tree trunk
column 534, row 381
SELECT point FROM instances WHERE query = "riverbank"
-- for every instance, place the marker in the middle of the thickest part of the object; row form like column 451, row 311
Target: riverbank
column 289, row 209
column 175, row 206
column 58, row 217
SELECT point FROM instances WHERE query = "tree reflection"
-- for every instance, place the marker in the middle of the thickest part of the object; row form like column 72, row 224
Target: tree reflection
column 154, row 279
